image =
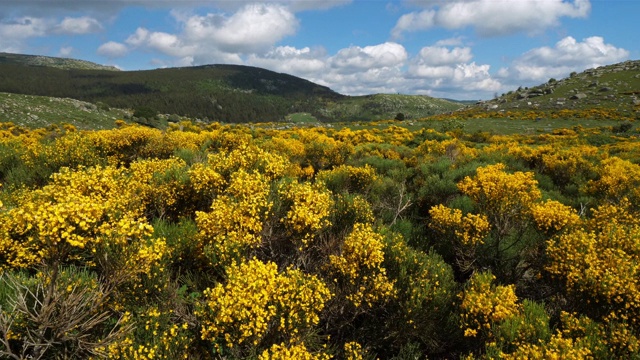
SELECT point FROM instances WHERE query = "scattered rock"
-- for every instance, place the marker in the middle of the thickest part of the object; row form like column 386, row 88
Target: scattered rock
column 579, row 96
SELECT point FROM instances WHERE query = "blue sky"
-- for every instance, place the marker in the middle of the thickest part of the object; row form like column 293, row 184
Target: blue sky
column 461, row 49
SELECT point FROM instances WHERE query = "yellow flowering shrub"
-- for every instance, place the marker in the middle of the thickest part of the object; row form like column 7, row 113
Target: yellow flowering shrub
column 291, row 351
column 357, row 137
column 556, row 348
column 72, row 149
column 155, row 336
column 310, row 206
column 236, row 218
column 552, row 216
column 351, row 209
column 454, row 149
column 563, row 164
column 42, row 229
column 281, row 144
column 397, row 135
column 125, row 144
column 322, row 151
column 348, row 178
column 469, row 230
column 359, row 267
column 618, row 179
column 600, row 262
column 256, row 299
column 158, row 184
column 484, row 304
column 426, row 292
column 249, row 158
column 206, row 181
column 580, row 337
column 500, row 195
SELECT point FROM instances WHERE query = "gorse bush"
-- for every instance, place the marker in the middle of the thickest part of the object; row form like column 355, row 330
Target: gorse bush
column 266, row 242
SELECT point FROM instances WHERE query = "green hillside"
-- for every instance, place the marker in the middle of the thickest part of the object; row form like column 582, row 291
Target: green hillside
column 225, row 93
column 614, row 86
column 387, row 106
column 41, row 111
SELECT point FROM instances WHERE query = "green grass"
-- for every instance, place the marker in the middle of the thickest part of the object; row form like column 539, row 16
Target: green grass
column 301, row 118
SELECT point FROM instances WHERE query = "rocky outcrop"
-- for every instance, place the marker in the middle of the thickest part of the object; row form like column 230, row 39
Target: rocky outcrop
column 612, row 86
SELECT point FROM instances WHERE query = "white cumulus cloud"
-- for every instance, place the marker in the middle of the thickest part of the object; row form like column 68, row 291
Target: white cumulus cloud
column 112, row 50
column 449, row 72
column 254, row 27
column 219, row 37
column 567, row 55
column 491, row 17
column 356, row 58
column 78, row 26
column 288, row 59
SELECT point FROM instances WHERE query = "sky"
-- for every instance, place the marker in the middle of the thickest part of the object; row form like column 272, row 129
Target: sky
column 457, row 49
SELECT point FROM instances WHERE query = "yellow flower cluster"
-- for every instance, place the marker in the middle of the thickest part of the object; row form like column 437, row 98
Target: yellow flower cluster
column 236, row 218
column 44, row 229
column 563, row 164
column 601, row 261
column 501, row 195
column 73, row 149
column 353, row 351
column 206, row 181
column 310, row 208
column 360, row 264
column 256, row 299
column 322, row 151
column 618, row 179
column 452, row 148
column 357, row 137
column 552, row 215
column 156, row 183
column 291, row 351
column 161, row 340
column 484, row 304
column 557, row 348
column 469, row 230
column 249, row 158
column 356, row 178
column 354, row 207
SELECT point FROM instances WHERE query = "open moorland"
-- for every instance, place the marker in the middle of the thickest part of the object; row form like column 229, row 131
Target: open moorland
column 492, row 232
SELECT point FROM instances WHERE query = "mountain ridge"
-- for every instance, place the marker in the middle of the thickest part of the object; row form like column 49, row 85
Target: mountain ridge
column 55, row 62
column 215, row 92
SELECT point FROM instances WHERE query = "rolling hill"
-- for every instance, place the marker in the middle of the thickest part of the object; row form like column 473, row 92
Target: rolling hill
column 226, row 93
